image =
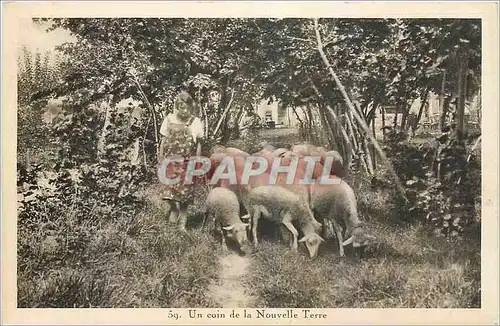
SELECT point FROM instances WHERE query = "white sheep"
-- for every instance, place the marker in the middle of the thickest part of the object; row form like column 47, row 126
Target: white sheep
column 223, row 206
column 232, row 151
column 337, row 203
column 305, row 149
column 273, row 201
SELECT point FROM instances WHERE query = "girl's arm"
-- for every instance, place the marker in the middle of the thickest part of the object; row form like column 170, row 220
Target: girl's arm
column 197, row 129
column 197, row 133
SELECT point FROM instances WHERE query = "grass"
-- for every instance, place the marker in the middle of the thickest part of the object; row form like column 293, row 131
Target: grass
column 407, row 268
column 134, row 262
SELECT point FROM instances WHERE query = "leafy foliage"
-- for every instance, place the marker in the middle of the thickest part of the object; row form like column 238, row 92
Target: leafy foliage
column 442, row 185
column 85, row 168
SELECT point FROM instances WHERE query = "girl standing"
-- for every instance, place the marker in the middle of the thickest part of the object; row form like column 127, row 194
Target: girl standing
column 181, row 132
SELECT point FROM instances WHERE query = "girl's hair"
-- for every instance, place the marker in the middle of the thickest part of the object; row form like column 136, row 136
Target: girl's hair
column 184, row 97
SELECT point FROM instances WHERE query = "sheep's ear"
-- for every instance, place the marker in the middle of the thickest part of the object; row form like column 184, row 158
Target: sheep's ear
column 303, row 239
column 348, row 241
column 245, row 217
column 228, row 228
column 322, row 240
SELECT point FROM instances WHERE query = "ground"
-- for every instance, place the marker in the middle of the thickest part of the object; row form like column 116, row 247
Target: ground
column 228, row 290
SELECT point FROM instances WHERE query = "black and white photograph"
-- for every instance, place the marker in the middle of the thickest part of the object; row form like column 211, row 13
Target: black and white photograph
column 301, row 163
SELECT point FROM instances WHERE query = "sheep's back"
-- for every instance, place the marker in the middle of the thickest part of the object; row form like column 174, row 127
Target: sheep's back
column 224, row 204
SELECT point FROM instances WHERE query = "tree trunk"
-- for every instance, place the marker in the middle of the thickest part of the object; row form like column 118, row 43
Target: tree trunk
column 404, row 115
column 424, row 98
column 368, row 156
column 288, row 116
column 395, row 120
column 310, row 123
column 462, row 92
column 297, row 116
column 223, row 117
column 358, row 139
column 346, row 144
column 153, row 112
column 372, row 148
column 442, row 99
column 27, row 158
column 205, row 119
column 101, row 144
column 350, row 127
column 382, row 111
column 329, row 132
column 333, row 119
column 361, row 122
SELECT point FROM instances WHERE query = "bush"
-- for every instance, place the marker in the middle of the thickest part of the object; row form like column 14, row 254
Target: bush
column 442, row 186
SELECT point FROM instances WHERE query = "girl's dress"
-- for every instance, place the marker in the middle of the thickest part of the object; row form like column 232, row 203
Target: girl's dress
column 179, row 143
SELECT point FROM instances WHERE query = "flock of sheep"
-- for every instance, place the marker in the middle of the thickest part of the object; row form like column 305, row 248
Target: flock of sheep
column 308, row 207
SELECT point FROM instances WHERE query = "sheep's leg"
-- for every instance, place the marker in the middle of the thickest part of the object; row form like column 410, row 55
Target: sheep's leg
column 248, row 207
column 173, row 211
column 338, row 233
column 287, row 221
column 206, row 218
column 223, row 239
column 255, row 222
column 182, row 216
column 324, row 221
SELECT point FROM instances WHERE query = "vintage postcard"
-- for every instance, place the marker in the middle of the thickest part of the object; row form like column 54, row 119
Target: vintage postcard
column 250, row 162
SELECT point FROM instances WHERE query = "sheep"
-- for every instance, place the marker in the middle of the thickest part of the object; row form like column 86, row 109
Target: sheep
column 290, row 154
column 279, row 152
column 218, row 149
column 267, row 155
column 306, row 150
column 266, row 146
column 337, row 164
column 273, row 201
column 337, row 203
column 223, row 206
column 302, row 149
column 233, row 151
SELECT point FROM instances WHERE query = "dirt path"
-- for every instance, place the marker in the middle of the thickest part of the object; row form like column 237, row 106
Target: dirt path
column 228, row 291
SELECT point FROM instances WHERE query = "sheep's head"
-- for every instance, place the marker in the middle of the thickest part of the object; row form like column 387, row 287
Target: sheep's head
column 317, row 225
column 312, row 242
column 279, row 152
column 359, row 238
column 238, row 233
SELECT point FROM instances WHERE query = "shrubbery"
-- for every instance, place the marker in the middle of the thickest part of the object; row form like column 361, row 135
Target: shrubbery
column 442, row 186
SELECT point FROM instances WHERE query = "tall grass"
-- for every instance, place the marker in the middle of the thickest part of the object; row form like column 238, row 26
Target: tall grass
column 133, row 262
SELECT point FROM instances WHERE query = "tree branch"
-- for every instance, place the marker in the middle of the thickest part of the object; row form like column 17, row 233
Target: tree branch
column 153, row 113
column 361, row 122
column 224, row 114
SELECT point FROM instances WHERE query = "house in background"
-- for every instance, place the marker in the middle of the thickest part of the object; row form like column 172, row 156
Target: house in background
column 431, row 114
column 284, row 117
